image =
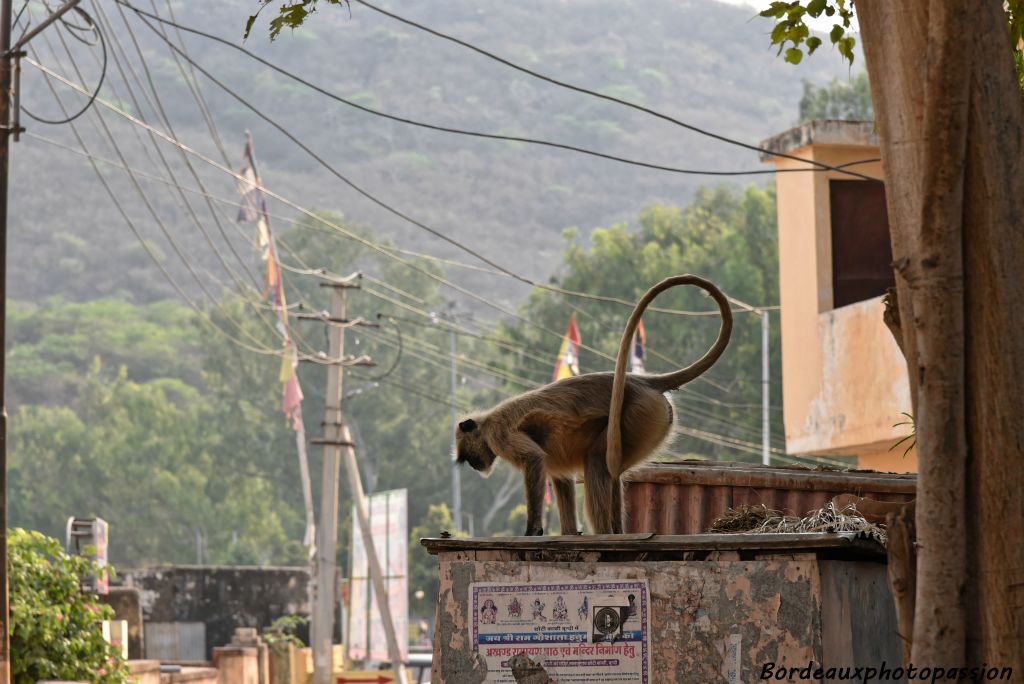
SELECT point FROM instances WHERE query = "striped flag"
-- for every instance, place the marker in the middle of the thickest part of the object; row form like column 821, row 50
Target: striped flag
column 254, row 208
column 568, row 363
column 639, row 350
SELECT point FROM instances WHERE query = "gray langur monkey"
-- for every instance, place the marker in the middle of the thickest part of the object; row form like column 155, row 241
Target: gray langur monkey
column 598, row 425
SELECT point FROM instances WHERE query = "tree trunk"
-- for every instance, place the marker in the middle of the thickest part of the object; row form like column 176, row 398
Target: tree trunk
column 951, row 120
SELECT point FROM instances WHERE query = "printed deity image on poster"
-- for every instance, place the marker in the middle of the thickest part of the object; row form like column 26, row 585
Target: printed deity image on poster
column 585, row 632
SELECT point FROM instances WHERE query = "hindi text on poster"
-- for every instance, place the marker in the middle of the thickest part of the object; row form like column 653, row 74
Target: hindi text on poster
column 583, row 632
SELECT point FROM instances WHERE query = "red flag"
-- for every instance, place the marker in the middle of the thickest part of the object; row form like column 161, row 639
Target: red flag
column 568, row 363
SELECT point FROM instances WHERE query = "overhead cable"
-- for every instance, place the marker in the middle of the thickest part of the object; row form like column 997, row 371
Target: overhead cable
column 68, row 118
column 461, row 131
column 609, row 98
column 400, row 214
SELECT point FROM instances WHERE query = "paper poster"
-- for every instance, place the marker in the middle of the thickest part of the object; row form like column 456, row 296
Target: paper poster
column 366, row 640
column 587, row 632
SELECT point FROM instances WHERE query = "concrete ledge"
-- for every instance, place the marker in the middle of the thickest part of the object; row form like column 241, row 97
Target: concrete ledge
column 145, row 671
column 194, row 675
column 821, row 132
column 618, row 546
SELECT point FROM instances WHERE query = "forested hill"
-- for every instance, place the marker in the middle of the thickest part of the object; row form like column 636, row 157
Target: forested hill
column 703, row 62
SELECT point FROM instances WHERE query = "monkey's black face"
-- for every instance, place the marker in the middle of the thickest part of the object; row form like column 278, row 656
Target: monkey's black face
column 471, row 448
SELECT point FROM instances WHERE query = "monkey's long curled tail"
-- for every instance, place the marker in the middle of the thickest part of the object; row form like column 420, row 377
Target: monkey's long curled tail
column 665, row 381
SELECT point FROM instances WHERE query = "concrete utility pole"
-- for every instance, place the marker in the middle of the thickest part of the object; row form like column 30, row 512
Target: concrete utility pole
column 5, row 141
column 766, row 429
column 456, row 471
column 337, row 440
column 9, row 128
column 766, row 423
column 322, row 628
column 450, row 317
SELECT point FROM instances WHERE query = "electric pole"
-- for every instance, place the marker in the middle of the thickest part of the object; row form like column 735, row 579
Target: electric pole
column 322, row 628
column 5, row 141
column 9, row 128
column 766, row 424
column 450, row 317
column 337, row 441
column 456, row 471
column 766, row 429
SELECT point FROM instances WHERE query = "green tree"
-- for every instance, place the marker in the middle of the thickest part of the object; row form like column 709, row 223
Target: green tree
column 849, row 101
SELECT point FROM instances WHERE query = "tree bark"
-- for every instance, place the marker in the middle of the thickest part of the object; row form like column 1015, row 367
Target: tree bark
column 951, row 121
column 902, row 573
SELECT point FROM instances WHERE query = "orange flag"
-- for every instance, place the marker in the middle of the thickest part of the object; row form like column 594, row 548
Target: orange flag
column 568, row 363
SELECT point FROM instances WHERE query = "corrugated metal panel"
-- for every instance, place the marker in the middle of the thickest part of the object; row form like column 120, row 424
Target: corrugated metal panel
column 685, row 498
column 182, row 642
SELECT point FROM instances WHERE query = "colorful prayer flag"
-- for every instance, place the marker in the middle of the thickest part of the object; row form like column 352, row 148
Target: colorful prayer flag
column 568, row 363
column 254, row 208
column 638, row 351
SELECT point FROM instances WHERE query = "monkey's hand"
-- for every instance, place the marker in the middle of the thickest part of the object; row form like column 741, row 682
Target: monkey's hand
column 537, row 532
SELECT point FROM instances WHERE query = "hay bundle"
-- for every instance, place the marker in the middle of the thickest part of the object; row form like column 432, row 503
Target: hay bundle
column 762, row 520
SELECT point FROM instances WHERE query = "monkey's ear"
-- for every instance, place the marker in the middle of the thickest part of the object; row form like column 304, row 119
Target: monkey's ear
column 467, row 425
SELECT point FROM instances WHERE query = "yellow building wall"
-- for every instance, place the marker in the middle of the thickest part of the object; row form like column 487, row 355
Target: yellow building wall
column 844, row 379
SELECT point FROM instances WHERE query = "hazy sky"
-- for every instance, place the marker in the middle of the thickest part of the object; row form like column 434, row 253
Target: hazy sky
column 822, row 24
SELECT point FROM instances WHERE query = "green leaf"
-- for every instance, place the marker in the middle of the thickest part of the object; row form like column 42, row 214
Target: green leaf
column 779, row 32
column 248, row 27
column 846, row 48
column 830, row 10
column 813, row 43
column 776, row 9
column 794, row 55
column 836, row 33
column 816, row 7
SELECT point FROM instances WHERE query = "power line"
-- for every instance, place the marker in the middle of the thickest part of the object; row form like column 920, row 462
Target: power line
column 204, row 316
column 306, row 270
column 197, row 91
column 462, row 131
column 258, row 345
column 397, row 212
column 351, row 235
column 609, row 98
column 156, row 105
column 95, row 92
column 162, row 114
column 149, row 205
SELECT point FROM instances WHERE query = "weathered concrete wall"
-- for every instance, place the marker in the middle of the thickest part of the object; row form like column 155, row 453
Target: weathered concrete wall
column 844, row 379
column 127, row 605
column 776, row 606
column 221, row 597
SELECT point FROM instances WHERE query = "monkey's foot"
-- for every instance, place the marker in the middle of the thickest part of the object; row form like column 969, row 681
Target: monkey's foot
column 538, row 532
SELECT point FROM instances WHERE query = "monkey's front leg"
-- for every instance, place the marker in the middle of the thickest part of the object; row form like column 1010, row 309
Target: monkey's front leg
column 533, row 474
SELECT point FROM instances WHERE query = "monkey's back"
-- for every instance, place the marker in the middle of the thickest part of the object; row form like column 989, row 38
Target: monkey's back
column 568, row 419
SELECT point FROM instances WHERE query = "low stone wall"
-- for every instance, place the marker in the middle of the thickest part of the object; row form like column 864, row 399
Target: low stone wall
column 221, row 597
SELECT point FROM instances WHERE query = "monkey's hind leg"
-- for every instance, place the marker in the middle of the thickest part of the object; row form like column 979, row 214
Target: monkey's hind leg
column 565, row 493
column 597, row 484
